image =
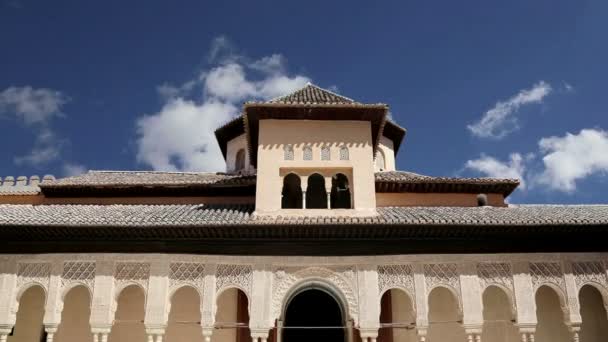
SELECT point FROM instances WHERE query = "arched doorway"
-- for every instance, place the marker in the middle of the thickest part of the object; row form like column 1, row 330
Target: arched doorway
column 291, row 196
column 313, row 315
column 316, row 197
column 340, row 192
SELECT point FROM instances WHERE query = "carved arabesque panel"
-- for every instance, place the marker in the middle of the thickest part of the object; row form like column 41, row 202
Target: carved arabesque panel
column 495, row 273
column 78, row 271
column 547, row 273
column 132, row 272
column 442, row 274
column 186, row 273
column 34, row 273
column 234, row 275
column 341, row 277
column 396, row 276
column 586, row 272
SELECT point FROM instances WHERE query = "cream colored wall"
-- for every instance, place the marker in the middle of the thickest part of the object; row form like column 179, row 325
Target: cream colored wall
column 413, row 199
column 595, row 322
column 387, row 147
column 28, row 327
column 275, row 134
column 232, row 148
column 226, row 313
column 75, row 316
column 184, row 317
column 551, row 327
column 403, row 312
column 497, row 316
column 128, row 325
column 444, row 317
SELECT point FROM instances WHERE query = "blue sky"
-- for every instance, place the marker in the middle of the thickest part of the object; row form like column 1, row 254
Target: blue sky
column 485, row 88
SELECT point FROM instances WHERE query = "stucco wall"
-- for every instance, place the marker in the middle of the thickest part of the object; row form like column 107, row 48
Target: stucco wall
column 184, row 317
column 28, row 327
column 232, row 148
column 411, row 199
column 129, row 326
column 275, row 134
column 388, row 151
column 74, row 325
column 226, row 314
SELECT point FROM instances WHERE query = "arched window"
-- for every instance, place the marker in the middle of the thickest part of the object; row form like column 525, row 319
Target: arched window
column 340, row 192
column 239, row 163
column 380, row 164
column 307, row 151
column 288, row 152
column 291, row 196
column 325, row 153
column 343, row 153
column 316, row 197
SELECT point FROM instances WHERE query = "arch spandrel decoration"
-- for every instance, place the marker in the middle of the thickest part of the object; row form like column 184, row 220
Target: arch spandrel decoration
column 33, row 273
column 442, row 275
column 589, row 272
column 286, row 278
column 186, row 274
column 397, row 276
column 77, row 273
column 498, row 274
column 547, row 273
column 129, row 273
column 238, row 276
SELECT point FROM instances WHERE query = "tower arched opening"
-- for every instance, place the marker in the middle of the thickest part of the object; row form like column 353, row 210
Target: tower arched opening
column 316, row 197
column 291, row 195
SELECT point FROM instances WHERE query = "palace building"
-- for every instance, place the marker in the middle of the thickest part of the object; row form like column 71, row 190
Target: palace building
column 311, row 234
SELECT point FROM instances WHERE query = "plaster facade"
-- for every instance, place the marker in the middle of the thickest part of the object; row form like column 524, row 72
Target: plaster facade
column 442, row 298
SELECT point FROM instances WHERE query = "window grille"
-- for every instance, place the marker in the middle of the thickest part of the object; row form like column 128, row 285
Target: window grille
column 307, row 153
column 288, row 152
column 325, row 153
column 343, row 153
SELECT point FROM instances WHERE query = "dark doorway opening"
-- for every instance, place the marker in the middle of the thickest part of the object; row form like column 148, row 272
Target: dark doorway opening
column 313, row 315
column 316, row 197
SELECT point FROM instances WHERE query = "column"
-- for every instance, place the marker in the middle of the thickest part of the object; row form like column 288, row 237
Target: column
column 103, row 303
column 260, row 320
column 208, row 301
column 328, row 191
column 369, row 301
column 573, row 316
column 525, row 301
column 54, row 301
column 422, row 304
column 157, row 305
column 8, row 291
column 304, row 186
column 472, row 302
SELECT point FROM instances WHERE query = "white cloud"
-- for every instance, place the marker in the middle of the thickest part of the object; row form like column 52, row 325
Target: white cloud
column 492, row 167
column 181, row 135
column 30, row 105
column 499, row 121
column 73, row 169
column 573, row 157
column 36, row 109
column 47, row 147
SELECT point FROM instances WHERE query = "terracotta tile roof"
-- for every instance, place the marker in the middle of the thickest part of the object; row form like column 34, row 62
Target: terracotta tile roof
column 22, row 185
column 242, row 215
column 403, row 181
column 312, row 94
column 150, row 178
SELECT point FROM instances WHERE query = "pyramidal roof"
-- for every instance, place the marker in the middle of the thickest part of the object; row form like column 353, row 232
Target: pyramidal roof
column 312, row 94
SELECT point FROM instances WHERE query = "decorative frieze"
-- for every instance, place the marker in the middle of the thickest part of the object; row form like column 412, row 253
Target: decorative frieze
column 547, row 273
column 233, row 275
column 132, row 273
column 78, row 272
column 495, row 273
column 589, row 272
column 186, row 273
column 38, row 273
column 442, row 274
column 396, row 276
column 342, row 278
